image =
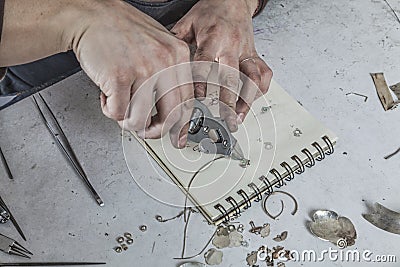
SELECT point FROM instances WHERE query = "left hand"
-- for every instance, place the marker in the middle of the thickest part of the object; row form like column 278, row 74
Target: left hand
column 222, row 30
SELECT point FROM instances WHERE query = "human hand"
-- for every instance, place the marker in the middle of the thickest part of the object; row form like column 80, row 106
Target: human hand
column 223, row 31
column 120, row 48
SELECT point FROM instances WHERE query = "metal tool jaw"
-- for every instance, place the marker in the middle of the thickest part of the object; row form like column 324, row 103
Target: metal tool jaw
column 12, row 247
column 212, row 133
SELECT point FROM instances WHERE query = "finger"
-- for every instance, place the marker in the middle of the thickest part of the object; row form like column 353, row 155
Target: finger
column 168, row 101
column 205, row 55
column 138, row 116
column 251, row 83
column 229, row 90
column 183, row 30
column 115, row 99
column 266, row 77
column 179, row 131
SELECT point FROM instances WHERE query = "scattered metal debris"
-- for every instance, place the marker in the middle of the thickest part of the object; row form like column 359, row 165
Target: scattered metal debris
column 384, row 218
column 120, row 239
column 192, row 264
column 4, row 216
column 221, row 241
column 280, row 264
column 143, row 228
column 392, row 154
column 124, row 247
column 264, row 204
column 384, row 93
column 213, row 257
column 129, row 241
column 268, row 145
column 235, row 239
column 281, row 237
column 357, row 94
column 277, row 250
column 118, row 249
column 329, row 226
column 240, row 229
column 244, row 163
column 244, row 244
column 257, row 229
column 265, row 231
column 251, row 258
column 297, row 132
column 128, row 235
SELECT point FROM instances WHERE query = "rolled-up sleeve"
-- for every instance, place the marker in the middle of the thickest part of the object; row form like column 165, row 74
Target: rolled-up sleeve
column 2, row 70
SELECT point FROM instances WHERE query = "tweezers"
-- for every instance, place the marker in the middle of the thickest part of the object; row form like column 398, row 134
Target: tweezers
column 12, row 247
column 11, row 217
column 63, row 143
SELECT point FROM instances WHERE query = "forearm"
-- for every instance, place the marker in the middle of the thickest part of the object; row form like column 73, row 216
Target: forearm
column 36, row 29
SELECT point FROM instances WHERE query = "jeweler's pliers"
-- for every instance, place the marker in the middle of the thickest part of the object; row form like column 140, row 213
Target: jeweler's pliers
column 212, row 133
column 12, row 247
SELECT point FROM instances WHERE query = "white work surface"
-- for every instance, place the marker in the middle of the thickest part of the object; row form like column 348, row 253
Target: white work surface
column 318, row 50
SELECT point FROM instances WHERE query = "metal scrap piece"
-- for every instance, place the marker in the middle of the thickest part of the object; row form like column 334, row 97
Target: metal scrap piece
column 265, row 231
column 392, row 154
column 384, row 218
column 213, row 257
column 251, row 258
column 329, row 226
column 235, row 239
column 221, row 241
column 383, row 91
column 192, row 264
column 281, row 237
column 277, row 250
column 265, row 209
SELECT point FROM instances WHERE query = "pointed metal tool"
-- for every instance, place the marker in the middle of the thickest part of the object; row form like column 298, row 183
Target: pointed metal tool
column 63, row 143
column 4, row 161
column 12, row 247
column 11, row 217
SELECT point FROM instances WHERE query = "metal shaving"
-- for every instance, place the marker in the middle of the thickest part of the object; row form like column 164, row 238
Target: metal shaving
column 281, row 237
column 265, row 231
column 213, row 257
column 252, row 258
column 277, row 250
column 221, row 241
column 280, row 264
column 235, row 239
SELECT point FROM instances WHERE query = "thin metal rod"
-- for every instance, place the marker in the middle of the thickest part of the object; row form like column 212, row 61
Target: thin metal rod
column 4, row 161
column 51, row 263
column 12, row 219
column 63, row 143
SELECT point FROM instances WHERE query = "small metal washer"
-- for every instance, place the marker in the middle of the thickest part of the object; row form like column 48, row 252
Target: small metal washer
column 120, row 239
column 129, row 241
column 118, row 249
column 124, row 247
column 143, row 228
column 128, row 235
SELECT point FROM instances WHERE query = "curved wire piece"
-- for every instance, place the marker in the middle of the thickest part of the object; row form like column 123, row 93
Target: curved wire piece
column 256, row 190
column 289, row 170
column 321, row 152
column 300, row 164
column 246, row 198
column 235, row 206
column 264, row 204
column 330, row 145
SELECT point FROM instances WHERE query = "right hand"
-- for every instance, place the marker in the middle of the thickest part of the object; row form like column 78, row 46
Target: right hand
column 119, row 48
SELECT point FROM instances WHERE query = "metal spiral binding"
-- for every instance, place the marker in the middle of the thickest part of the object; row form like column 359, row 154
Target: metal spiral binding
column 270, row 188
column 256, row 190
column 289, row 170
column 321, row 152
column 301, row 168
column 330, row 145
column 311, row 160
column 279, row 177
column 246, row 198
column 223, row 211
column 235, row 206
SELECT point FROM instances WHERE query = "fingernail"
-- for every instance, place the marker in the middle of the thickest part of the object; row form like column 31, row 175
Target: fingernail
column 182, row 141
column 140, row 134
column 240, row 118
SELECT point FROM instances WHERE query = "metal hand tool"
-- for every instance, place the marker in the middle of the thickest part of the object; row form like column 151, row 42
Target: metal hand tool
column 12, row 247
column 51, row 263
column 4, row 161
column 212, row 133
column 6, row 214
column 63, row 143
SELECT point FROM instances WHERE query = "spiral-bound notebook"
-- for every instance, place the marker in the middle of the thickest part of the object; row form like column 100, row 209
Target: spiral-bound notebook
column 279, row 137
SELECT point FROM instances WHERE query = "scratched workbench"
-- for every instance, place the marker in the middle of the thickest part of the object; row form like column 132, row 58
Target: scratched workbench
column 319, row 50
